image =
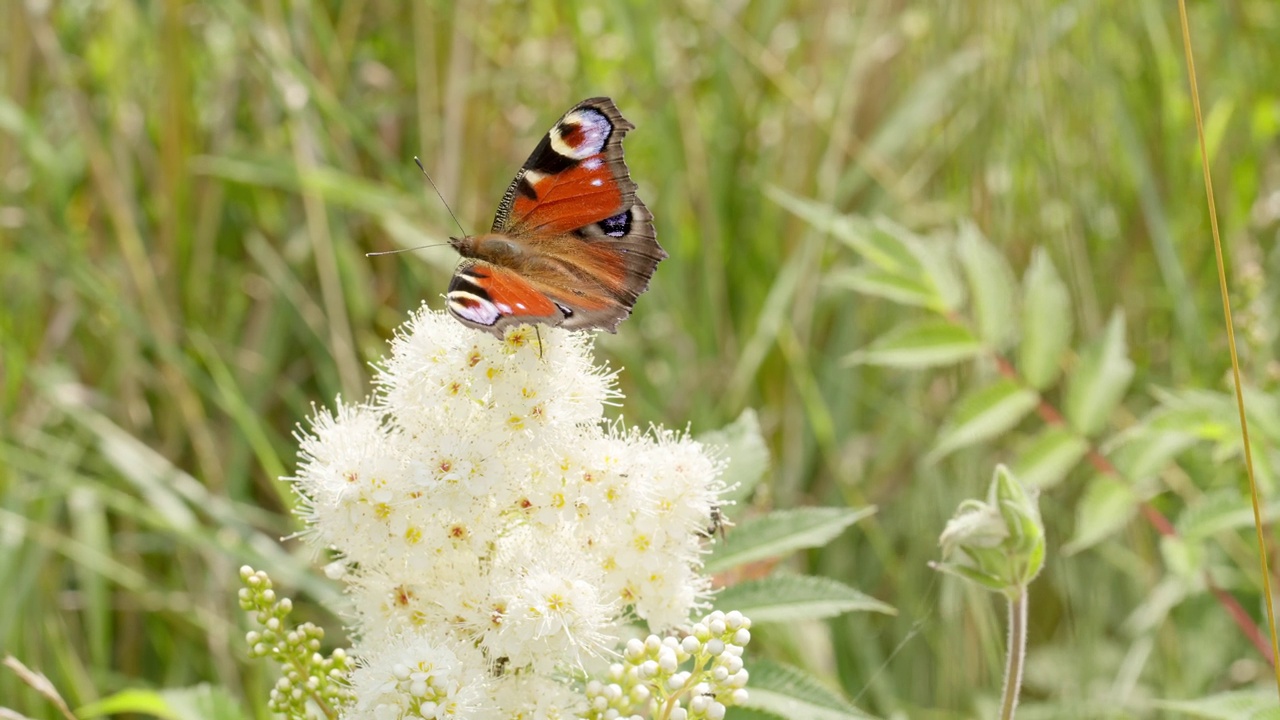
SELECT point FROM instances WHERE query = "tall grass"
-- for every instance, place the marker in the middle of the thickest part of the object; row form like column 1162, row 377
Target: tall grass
column 187, row 191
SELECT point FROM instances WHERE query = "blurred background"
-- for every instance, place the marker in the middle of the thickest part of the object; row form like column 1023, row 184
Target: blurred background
column 188, row 191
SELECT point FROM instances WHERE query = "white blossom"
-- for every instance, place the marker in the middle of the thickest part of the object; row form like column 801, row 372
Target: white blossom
column 495, row 534
column 417, row 676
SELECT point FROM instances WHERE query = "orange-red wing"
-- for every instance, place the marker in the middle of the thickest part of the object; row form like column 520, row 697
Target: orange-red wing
column 490, row 297
column 557, row 204
column 575, row 177
column 571, row 245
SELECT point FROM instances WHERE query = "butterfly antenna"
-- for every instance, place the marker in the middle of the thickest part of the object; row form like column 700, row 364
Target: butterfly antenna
column 538, row 333
column 439, row 194
column 400, row 250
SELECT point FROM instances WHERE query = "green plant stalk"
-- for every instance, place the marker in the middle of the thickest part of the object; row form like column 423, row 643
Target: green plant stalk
column 1017, row 653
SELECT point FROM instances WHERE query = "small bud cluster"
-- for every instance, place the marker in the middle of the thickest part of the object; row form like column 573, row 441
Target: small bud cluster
column 694, row 676
column 308, row 676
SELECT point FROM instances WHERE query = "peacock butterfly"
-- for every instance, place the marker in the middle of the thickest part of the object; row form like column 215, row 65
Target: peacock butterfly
column 571, row 245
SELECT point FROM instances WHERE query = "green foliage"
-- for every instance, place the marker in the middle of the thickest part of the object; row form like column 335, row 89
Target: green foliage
column 984, row 413
column 187, row 191
column 782, row 532
column 1046, row 322
column 786, row 692
column 744, row 452
column 789, row 598
column 1227, row 706
column 1129, row 467
column 200, row 702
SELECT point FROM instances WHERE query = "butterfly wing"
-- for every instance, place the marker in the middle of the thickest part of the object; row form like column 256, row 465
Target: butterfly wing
column 581, row 281
column 571, row 244
column 576, row 176
column 490, row 297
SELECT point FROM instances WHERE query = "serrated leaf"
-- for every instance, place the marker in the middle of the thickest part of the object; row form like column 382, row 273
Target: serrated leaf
column 742, row 713
column 878, row 243
column 1146, row 452
column 794, row 694
column 1106, row 507
column 784, row 598
column 1046, row 322
column 926, row 343
column 937, row 260
column 782, row 532
column 991, row 286
column 744, row 448
column 1099, row 383
column 1222, row 511
column 878, row 283
column 1046, row 460
column 1237, row 705
column 983, row 414
column 907, row 267
column 1201, row 413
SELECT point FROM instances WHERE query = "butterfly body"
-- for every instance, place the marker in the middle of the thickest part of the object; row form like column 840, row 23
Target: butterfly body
column 571, row 244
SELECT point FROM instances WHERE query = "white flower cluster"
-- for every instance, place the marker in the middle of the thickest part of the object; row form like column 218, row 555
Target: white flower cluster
column 494, row 534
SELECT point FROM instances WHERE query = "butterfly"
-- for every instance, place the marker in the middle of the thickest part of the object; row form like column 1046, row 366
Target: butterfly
column 571, row 244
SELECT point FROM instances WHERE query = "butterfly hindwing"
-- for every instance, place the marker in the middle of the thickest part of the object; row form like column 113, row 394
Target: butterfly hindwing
column 488, row 297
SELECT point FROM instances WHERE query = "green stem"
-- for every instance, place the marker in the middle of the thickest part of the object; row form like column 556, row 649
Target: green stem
column 1017, row 653
column 695, row 676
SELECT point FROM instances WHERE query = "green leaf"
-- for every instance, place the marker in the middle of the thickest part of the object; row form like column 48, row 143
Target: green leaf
column 1145, row 452
column 204, row 702
column 1206, row 414
column 880, row 283
column 903, row 266
column 1046, row 322
column 200, row 702
column 1107, row 506
column 744, row 447
column 782, row 532
column 1262, row 410
column 1099, row 383
column 937, row 260
column 879, row 243
column 784, row 598
column 991, row 285
column 1183, row 558
column 973, row 575
column 742, row 713
column 136, row 701
column 983, row 414
column 922, row 344
column 794, row 694
column 1046, row 460
column 1222, row 511
column 1236, row 705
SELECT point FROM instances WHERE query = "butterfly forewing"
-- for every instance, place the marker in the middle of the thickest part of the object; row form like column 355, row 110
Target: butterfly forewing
column 576, row 175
